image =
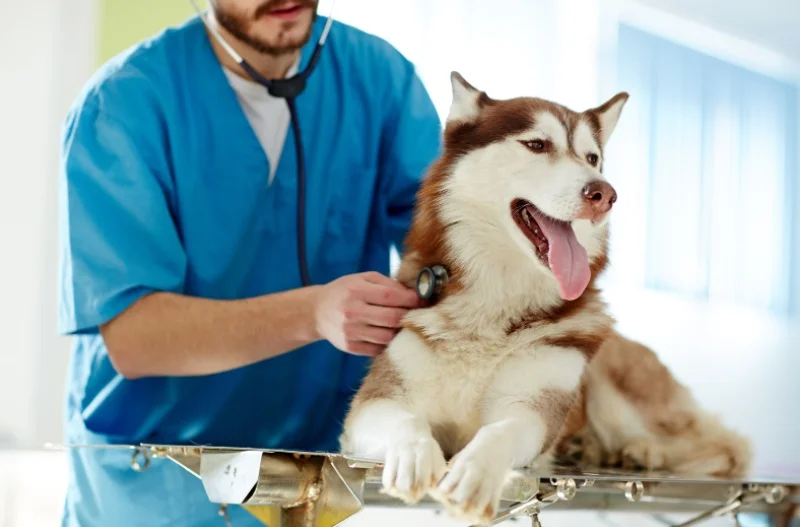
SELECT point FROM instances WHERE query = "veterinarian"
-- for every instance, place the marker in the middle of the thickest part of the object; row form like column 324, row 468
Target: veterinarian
column 181, row 276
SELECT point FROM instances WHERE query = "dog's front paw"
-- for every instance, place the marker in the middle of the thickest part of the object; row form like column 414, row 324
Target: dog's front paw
column 413, row 467
column 472, row 488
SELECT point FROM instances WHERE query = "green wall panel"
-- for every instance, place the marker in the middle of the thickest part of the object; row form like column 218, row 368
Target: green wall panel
column 126, row 22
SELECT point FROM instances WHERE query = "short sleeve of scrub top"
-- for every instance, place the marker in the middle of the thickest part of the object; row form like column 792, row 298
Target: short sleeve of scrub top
column 119, row 239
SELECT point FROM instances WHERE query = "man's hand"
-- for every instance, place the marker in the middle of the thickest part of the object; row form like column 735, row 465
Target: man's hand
column 361, row 313
column 167, row 334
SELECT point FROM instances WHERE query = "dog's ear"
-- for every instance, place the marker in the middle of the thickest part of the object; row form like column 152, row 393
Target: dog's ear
column 608, row 114
column 467, row 100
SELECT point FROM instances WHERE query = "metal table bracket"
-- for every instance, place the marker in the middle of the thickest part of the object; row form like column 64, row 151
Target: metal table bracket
column 289, row 490
column 770, row 494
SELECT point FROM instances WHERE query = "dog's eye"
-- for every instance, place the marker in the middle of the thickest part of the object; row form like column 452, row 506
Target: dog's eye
column 537, row 145
column 592, row 159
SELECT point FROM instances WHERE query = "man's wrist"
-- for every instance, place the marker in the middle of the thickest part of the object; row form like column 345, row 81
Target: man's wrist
column 307, row 313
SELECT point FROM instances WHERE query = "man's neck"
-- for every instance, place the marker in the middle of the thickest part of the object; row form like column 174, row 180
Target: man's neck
column 270, row 66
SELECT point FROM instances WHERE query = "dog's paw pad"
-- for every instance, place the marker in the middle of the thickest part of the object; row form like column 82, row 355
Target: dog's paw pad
column 412, row 468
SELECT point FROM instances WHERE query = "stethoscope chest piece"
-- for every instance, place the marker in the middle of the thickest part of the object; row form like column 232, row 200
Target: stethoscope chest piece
column 430, row 281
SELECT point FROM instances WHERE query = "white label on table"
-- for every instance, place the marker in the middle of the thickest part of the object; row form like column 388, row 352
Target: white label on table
column 229, row 476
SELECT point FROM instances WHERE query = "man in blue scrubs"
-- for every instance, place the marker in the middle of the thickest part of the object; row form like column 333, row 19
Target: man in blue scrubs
column 179, row 269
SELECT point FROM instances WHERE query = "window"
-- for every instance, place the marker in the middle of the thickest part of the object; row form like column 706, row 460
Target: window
column 705, row 163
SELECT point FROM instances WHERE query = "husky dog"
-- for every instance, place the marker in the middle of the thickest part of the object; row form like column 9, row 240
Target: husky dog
column 484, row 380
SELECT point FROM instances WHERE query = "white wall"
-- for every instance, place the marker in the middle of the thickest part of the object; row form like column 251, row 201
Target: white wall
column 731, row 38
column 535, row 46
column 47, row 53
column 771, row 23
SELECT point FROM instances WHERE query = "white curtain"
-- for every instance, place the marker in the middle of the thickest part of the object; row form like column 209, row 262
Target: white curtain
column 707, row 183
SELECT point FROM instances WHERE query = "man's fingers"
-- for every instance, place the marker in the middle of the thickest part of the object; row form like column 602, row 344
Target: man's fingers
column 382, row 290
column 368, row 349
column 394, row 295
column 386, row 317
column 378, row 278
column 373, row 334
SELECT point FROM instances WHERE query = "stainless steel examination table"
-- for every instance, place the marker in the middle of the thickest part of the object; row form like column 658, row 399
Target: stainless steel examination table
column 307, row 489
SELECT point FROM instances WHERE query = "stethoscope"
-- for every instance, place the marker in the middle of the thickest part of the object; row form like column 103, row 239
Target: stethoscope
column 431, row 281
column 288, row 89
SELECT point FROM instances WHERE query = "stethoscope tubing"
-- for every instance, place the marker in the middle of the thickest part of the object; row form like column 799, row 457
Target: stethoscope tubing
column 287, row 89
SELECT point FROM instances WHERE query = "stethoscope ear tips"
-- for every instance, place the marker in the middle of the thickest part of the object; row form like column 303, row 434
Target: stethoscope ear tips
column 430, row 281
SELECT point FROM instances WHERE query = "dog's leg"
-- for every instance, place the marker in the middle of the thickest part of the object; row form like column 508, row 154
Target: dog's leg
column 472, row 488
column 644, row 416
column 706, row 449
column 524, row 410
column 385, row 424
column 384, row 429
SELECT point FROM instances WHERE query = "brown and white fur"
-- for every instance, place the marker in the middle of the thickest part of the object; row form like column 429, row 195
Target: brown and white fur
column 633, row 413
column 487, row 376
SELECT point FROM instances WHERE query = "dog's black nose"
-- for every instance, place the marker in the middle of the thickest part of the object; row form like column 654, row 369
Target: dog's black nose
column 599, row 196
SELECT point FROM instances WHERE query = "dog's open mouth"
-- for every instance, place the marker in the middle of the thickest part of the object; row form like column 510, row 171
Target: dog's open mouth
column 556, row 247
column 523, row 212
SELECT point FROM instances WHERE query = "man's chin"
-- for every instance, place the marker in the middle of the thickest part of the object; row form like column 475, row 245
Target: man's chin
column 288, row 41
column 282, row 37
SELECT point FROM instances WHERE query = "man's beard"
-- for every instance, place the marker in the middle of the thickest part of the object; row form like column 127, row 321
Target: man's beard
column 237, row 25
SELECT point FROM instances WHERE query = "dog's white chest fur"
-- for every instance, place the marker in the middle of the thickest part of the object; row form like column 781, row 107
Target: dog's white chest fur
column 448, row 384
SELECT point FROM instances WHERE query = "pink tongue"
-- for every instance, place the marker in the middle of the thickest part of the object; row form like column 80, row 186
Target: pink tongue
column 568, row 259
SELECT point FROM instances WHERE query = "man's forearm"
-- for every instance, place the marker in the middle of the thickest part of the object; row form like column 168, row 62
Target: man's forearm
column 165, row 334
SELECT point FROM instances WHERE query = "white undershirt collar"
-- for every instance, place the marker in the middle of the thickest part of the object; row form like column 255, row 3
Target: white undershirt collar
column 268, row 116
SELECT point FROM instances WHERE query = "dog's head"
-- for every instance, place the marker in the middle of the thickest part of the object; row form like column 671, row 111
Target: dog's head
column 526, row 174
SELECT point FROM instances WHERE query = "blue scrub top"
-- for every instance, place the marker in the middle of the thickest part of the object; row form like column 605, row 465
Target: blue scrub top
column 164, row 188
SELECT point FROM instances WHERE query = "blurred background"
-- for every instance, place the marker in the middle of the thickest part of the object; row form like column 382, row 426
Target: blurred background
column 706, row 234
